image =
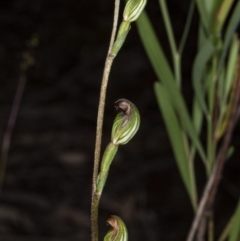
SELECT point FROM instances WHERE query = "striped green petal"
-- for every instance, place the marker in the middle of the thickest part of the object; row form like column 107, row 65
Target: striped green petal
column 126, row 122
column 133, row 9
column 118, row 231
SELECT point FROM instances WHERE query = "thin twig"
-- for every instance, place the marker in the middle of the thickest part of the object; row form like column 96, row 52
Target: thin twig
column 107, row 68
column 10, row 127
column 213, row 182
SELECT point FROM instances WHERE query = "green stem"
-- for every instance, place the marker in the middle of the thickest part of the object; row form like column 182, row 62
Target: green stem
column 107, row 68
column 211, row 145
column 191, row 173
column 204, row 16
column 192, row 183
column 186, row 27
column 94, row 214
column 226, row 230
column 175, row 54
column 177, row 64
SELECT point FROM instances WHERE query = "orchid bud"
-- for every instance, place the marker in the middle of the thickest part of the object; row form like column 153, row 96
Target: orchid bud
column 124, row 128
column 133, row 9
column 118, row 231
column 126, row 122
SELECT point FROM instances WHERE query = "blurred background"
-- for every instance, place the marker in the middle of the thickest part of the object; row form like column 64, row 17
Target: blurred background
column 46, row 192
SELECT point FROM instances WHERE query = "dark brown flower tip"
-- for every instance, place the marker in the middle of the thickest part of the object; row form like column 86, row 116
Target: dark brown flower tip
column 124, row 106
column 112, row 221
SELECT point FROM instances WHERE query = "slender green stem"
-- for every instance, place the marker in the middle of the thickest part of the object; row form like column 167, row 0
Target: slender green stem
column 204, row 16
column 187, row 27
column 107, row 68
column 191, row 173
column 175, row 54
column 168, row 25
column 193, row 183
column 211, row 145
column 210, row 148
column 177, row 64
column 94, row 213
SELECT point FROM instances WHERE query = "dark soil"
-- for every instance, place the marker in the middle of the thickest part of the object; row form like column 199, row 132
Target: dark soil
column 46, row 193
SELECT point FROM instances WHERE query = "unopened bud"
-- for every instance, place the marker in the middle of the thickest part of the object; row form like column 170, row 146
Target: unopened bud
column 126, row 122
column 118, row 231
column 133, row 9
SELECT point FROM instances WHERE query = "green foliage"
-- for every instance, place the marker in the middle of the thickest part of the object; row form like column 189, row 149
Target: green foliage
column 235, row 227
column 214, row 80
column 214, row 77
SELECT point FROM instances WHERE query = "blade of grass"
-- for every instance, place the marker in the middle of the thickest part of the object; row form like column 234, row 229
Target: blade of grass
column 197, row 121
column 235, row 229
column 211, row 80
column 186, row 27
column 232, row 25
column 164, row 73
column 175, row 134
column 226, row 86
column 222, row 13
column 204, row 15
column 153, row 48
column 228, row 227
column 199, row 68
column 231, row 66
column 209, row 4
column 172, row 42
column 221, row 88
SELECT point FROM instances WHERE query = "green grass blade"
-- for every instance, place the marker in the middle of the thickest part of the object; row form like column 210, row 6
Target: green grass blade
column 232, row 25
column 226, row 80
column 197, row 116
column 201, row 36
column 153, row 48
column 204, row 15
column 164, row 73
column 235, row 229
column 221, row 88
column 186, row 27
column 190, row 130
column 229, row 229
column 197, row 121
column 231, row 65
column 199, row 68
column 175, row 134
column 222, row 13
column 172, row 42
